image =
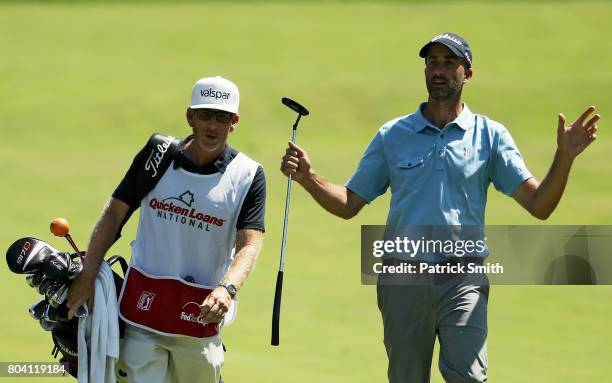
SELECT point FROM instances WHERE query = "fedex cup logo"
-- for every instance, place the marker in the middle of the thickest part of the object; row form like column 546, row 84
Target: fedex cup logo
column 145, row 301
column 194, row 315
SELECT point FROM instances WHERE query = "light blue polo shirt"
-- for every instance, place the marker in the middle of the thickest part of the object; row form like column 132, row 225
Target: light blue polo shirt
column 439, row 177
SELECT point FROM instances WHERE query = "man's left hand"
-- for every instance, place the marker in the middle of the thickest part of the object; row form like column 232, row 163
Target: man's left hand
column 215, row 306
column 573, row 139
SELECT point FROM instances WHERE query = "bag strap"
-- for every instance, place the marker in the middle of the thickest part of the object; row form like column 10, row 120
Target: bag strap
column 163, row 149
column 117, row 258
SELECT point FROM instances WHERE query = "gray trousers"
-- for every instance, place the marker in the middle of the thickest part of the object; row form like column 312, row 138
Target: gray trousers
column 455, row 311
column 154, row 358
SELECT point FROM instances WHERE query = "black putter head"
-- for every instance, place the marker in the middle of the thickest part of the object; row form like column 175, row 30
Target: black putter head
column 28, row 254
column 295, row 106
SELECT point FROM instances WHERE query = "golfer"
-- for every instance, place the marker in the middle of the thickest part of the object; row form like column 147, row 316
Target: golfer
column 200, row 231
column 439, row 162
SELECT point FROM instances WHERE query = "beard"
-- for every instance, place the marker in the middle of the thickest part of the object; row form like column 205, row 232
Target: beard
column 443, row 92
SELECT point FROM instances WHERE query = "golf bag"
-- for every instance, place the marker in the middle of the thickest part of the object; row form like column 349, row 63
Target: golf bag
column 64, row 335
column 51, row 273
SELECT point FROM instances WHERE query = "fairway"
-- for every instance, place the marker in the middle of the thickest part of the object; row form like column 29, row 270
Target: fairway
column 85, row 84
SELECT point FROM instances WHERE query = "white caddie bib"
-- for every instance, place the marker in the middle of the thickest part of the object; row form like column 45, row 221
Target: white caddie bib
column 187, row 228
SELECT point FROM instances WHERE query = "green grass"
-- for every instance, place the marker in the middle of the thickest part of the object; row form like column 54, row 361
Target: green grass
column 84, row 85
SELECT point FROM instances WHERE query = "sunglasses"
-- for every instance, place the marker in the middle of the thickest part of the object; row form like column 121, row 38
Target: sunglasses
column 220, row 115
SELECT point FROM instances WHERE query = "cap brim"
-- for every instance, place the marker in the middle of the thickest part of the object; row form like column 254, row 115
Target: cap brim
column 224, row 108
column 425, row 49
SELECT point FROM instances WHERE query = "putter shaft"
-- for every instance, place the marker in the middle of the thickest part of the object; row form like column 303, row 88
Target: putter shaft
column 281, row 266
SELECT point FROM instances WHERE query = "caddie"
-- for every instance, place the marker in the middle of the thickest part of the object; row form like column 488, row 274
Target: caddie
column 439, row 162
column 200, row 230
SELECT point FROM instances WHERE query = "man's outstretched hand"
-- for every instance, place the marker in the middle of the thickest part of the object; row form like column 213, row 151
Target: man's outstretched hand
column 573, row 139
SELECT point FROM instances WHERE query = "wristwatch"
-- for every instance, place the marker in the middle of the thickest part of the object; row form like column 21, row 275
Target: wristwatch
column 231, row 289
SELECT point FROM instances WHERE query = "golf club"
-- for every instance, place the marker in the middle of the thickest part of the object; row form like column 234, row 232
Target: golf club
column 36, row 279
column 56, row 293
column 27, row 255
column 301, row 111
column 57, row 266
column 38, row 309
column 29, row 278
column 44, row 285
column 46, row 322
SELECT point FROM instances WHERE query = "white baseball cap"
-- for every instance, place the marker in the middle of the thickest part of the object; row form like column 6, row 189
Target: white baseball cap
column 215, row 93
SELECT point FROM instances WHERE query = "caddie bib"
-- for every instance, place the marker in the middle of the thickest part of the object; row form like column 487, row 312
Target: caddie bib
column 186, row 231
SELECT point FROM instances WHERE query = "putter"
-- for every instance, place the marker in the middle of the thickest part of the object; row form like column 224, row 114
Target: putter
column 301, row 111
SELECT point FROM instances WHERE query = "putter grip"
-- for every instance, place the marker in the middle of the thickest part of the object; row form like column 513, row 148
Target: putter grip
column 276, row 310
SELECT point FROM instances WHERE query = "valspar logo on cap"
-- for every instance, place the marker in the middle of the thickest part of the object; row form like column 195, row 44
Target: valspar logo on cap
column 210, row 92
column 215, row 93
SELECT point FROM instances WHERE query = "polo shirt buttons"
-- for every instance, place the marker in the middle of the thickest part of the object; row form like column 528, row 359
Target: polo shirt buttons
column 440, row 162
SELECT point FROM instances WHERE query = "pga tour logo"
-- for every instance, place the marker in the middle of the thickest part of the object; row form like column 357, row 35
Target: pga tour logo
column 145, row 301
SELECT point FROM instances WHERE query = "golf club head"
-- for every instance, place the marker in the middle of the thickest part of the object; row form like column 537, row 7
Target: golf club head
column 57, row 293
column 74, row 270
column 57, row 265
column 29, row 278
column 45, row 283
column 26, row 255
column 295, row 106
column 35, row 280
column 38, row 309
column 50, row 314
column 47, row 324
column 82, row 312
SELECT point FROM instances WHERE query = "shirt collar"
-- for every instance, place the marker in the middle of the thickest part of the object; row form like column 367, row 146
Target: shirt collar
column 218, row 165
column 465, row 119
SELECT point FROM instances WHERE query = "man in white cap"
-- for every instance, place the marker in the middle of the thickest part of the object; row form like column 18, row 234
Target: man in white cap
column 199, row 233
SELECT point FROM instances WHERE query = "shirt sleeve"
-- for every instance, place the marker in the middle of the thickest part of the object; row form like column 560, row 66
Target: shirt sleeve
column 509, row 169
column 253, row 209
column 371, row 179
column 130, row 190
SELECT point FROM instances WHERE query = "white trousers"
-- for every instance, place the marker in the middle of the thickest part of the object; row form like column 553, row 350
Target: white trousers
column 153, row 358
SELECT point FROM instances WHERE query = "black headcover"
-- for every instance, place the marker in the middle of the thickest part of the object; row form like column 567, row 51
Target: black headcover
column 27, row 255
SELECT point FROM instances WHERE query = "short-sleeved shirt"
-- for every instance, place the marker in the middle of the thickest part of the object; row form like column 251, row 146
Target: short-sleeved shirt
column 252, row 212
column 439, row 176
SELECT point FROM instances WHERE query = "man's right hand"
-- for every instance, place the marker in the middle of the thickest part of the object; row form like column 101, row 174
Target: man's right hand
column 82, row 291
column 296, row 163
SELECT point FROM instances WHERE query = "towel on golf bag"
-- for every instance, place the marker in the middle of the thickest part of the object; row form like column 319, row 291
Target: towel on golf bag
column 98, row 335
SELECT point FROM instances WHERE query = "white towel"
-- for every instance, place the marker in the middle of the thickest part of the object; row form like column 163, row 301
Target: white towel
column 98, row 336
